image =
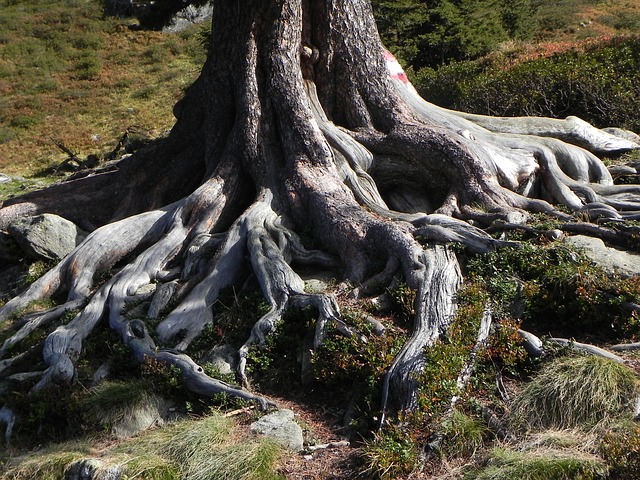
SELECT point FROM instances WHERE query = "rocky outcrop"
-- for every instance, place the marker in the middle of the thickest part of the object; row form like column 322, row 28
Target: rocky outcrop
column 609, row 259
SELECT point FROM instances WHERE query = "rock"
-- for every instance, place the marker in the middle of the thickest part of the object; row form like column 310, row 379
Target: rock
column 377, row 327
column 46, row 236
column 516, row 218
column 188, row 16
column 92, row 469
column 611, row 260
column 315, row 285
column 83, row 470
column 133, row 419
column 281, row 426
column 101, row 374
column 223, row 357
column 4, row 178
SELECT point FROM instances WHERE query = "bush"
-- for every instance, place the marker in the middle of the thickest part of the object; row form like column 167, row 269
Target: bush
column 599, row 83
column 620, row 447
column 555, row 289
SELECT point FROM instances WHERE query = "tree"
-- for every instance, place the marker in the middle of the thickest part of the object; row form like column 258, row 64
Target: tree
column 301, row 121
column 429, row 34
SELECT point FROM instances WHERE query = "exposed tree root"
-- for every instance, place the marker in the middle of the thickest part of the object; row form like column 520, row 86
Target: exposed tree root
column 279, row 136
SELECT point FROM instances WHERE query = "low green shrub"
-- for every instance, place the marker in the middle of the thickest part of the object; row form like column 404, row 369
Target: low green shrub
column 620, row 448
column 390, row 455
column 599, row 83
column 555, row 289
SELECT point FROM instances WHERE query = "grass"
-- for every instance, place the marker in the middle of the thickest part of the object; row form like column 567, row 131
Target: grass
column 201, row 449
column 67, row 73
column 575, row 392
column 48, row 464
column 112, row 403
column 464, row 435
column 504, row 464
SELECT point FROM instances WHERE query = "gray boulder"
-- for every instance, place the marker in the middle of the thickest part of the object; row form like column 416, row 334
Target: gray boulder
column 223, row 358
column 46, row 236
column 610, row 259
column 188, row 16
column 281, row 426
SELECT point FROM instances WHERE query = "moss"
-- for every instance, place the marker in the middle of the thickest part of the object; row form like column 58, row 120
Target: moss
column 47, row 464
column 201, row 449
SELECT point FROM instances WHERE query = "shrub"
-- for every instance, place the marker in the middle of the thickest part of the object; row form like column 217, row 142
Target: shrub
column 598, row 82
column 620, row 447
column 555, row 289
column 389, row 455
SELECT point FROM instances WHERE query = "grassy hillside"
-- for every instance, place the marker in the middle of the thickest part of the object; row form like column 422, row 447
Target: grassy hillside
column 570, row 20
column 68, row 74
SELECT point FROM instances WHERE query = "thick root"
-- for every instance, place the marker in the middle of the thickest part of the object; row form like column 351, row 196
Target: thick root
column 435, row 305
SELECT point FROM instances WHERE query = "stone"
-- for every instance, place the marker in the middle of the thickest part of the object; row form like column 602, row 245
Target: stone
column 613, row 261
column 281, row 426
column 315, row 285
column 188, row 16
column 150, row 412
column 93, row 469
column 46, row 237
column 224, row 358
column 10, row 252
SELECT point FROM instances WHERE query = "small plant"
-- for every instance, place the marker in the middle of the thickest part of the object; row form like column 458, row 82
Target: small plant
column 35, row 271
column 464, row 435
column 404, row 299
column 390, row 454
column 620, row 448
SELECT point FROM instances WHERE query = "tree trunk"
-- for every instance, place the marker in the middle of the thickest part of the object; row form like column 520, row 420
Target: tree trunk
column 302, row 121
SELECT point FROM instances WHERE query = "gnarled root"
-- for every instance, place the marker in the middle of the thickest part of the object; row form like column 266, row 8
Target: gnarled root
column 435, row 307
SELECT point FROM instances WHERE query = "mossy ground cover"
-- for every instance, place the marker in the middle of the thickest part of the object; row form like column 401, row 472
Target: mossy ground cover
column 187, row 450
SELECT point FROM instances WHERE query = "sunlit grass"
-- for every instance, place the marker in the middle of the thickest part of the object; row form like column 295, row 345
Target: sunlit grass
column 69, row 74
column 575, row 392
column 208, row 448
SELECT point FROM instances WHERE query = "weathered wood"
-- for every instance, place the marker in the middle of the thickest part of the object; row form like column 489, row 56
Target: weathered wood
column 435, row 307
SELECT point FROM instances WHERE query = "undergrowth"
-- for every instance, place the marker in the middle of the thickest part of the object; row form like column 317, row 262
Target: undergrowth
column 187, row 450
